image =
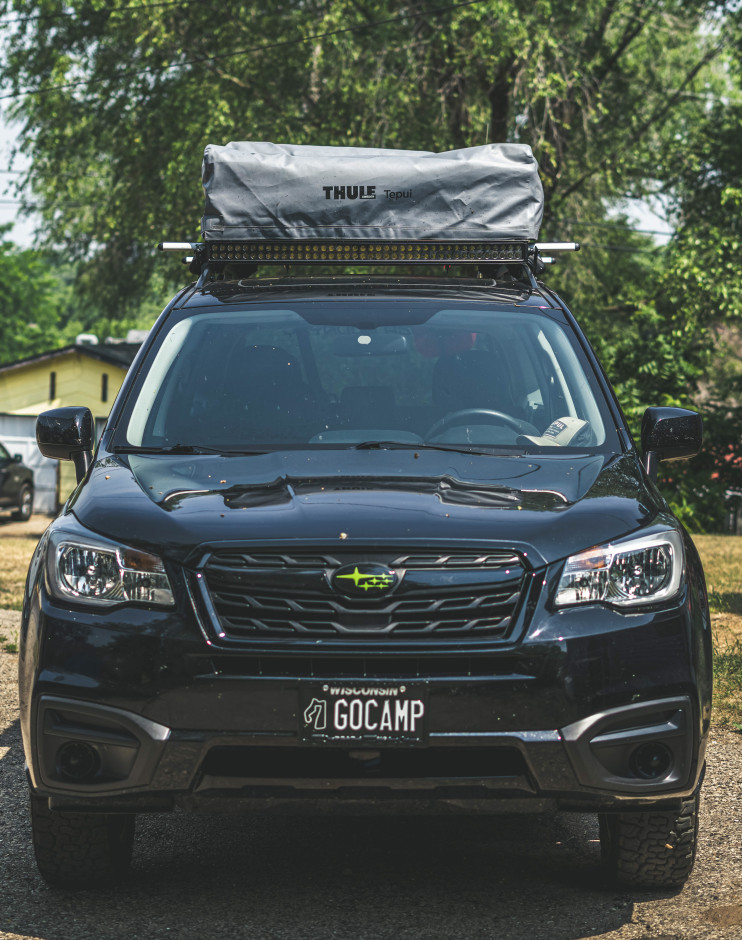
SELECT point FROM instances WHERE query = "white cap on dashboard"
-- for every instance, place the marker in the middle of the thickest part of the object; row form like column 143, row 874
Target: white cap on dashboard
column 560, row 433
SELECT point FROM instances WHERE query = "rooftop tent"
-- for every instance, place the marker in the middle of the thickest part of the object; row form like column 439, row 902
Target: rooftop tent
column 282, row 191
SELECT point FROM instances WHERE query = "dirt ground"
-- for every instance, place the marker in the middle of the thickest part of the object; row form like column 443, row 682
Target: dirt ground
column 35, row 526
column 30, row 531
column 727, row 629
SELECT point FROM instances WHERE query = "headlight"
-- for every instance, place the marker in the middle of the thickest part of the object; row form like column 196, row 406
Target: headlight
column 643, row 570
column 101, row 573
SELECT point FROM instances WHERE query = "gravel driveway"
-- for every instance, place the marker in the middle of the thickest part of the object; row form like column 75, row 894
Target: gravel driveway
column 508, row 878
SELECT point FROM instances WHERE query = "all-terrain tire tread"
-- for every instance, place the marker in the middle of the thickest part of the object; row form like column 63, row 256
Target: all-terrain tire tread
column 651, row 849
column 78, row 850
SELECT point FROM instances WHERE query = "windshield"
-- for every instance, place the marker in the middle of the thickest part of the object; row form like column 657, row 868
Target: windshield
column 366, row 372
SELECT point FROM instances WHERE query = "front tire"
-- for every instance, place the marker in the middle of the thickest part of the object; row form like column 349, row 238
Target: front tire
column 80, row 850
column 25, row 505
column 651, row 849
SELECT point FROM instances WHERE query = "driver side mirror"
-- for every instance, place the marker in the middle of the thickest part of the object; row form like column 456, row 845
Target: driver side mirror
column 67, row 434
column 669, row 434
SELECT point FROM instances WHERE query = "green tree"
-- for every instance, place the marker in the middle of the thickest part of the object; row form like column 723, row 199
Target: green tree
column 701, row 288
column 29, row 312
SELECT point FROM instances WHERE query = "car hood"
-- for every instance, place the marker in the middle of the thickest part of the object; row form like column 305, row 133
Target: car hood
column 549, row 506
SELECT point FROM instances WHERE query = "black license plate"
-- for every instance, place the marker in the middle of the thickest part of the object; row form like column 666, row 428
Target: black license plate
column 338, row 712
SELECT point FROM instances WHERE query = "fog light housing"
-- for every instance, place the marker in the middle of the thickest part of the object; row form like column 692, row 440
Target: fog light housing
column 651, row 761
column 78, row 762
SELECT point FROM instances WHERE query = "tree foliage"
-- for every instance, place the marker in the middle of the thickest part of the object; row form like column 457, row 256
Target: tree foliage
column 29, row 310
column 701, row 285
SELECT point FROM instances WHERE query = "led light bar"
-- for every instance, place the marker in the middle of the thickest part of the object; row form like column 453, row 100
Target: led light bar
column 349, row 252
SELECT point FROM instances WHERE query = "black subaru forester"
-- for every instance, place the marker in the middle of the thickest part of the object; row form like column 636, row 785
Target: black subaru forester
column 378, row 542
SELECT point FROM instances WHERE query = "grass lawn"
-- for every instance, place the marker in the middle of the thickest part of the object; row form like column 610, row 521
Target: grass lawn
column 722, row 561
column 17, row 542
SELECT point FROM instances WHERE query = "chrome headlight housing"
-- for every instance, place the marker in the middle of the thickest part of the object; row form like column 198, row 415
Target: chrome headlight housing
column 89, row 569
column 643, row 569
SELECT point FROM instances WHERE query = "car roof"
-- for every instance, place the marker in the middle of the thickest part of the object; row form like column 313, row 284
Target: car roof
column 266, row 290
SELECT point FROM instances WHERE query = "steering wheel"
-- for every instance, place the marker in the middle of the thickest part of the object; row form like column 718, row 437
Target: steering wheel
column 492, row 416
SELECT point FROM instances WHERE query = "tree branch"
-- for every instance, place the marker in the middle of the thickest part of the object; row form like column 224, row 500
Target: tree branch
column 656, row 118
column 499, row 98
column 629, row 35
column 595, row 40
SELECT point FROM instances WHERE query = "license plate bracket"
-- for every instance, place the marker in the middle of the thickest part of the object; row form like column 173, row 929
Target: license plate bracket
column 354, row 713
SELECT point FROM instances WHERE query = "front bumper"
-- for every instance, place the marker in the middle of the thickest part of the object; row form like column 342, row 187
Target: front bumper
column 553, row 720
column 144, row 765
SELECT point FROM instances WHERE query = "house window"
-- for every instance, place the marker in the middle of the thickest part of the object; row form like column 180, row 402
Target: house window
column 104, row 387
column 52, row 386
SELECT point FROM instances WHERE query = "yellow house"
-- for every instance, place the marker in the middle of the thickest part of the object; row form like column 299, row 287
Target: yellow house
column 82, row 374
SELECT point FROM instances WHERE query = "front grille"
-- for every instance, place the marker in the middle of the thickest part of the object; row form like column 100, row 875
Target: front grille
column 438, row 594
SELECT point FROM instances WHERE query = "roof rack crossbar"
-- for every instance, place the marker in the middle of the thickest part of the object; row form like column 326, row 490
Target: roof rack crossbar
column 557, row 246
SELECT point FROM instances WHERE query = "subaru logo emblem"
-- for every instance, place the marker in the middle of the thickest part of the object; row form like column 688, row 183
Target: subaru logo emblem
column 364, row 579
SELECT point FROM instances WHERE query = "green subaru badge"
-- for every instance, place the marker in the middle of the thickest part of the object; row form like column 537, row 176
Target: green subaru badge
column 364, row 579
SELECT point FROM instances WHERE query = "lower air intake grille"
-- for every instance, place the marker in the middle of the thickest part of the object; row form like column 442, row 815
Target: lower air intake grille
column 291, row 763
column 436, row 594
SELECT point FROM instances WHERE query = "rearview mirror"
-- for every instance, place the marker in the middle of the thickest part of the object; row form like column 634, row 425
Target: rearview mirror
column 371, row 344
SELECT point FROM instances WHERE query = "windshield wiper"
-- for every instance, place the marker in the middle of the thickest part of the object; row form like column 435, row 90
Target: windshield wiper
column 456, row 448
column 180, row 449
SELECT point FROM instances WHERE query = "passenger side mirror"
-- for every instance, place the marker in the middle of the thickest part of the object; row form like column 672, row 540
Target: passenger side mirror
column 669, row 434
column 67, row 434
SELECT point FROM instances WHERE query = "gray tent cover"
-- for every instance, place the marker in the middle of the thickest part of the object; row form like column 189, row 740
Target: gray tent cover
column 276, row 191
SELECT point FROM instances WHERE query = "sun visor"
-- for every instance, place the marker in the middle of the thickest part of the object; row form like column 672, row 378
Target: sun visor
column 284, row 191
